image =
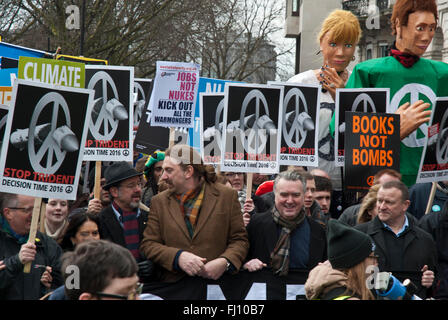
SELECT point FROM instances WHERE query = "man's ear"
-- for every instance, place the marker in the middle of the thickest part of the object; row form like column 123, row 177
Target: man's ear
column 113, row 191
column 406, row 204
column 86, row 296
column 7, row 214
column 189, row 171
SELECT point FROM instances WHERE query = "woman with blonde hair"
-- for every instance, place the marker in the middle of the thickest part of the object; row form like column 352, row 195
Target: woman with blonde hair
column 338, row 37
column 344, row 276
column 368, row 210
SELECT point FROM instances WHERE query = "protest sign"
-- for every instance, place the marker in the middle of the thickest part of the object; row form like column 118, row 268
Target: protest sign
column 46, row 130
column 174, row 96
column 111, row 124
column 252, row 119
column 61, row 73
column 13, row 51
column 372, row 100
column 301, row 105
column 5, row 95
column 260, row 285
column 142, row 93
column 4, row 111
column 372, row 143
column 212, row 111
column 206, row 85
column 434, row 160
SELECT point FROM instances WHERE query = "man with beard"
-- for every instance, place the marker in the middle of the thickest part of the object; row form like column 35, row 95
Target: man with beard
column 195, row 227
column 123, row 222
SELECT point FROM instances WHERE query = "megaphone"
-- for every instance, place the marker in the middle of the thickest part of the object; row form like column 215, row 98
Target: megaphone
column 389, row 287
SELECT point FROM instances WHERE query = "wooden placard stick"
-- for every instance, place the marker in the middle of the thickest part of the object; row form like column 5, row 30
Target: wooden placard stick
column 172, row 136
column 249, row 177
column 97, row 186
column 33, row 229
column 431, row 197
column 43, row 209
column 142, row 206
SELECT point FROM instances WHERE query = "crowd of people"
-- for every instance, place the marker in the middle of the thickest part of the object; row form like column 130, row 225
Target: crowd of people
column 167, row 215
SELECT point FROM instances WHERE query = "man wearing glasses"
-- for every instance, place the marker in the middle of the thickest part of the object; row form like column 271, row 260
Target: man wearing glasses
column 123, row 222
column 112, row 277
column 15, row 252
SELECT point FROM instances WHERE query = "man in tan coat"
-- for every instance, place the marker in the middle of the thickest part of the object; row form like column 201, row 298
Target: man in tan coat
column 195, row 227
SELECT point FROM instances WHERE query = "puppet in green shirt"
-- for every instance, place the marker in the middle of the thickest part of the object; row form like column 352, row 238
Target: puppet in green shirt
column 425, row 80
column 409, row 77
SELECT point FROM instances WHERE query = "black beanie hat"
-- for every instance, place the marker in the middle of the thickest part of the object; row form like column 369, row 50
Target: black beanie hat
column 347, row 246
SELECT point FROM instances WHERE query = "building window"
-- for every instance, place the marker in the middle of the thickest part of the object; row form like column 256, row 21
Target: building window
column 296, row 7
column 382, row 50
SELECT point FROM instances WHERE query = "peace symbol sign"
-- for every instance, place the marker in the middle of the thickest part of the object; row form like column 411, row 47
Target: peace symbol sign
column 219, row 115
column 2, row 126
column 415, row 90
column 366, row 103
column 104, row 126
column 370, row 180
column 218, row 119
column 2, row 129
column 139, row 102
column 296, row 130
column 49, row 157
column 442, row 141
column 256, row 140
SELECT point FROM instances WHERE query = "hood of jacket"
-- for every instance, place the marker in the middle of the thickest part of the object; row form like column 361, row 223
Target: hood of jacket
column 322, row 279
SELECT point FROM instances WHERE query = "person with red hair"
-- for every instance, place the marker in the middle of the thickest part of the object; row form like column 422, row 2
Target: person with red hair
column 414, row 82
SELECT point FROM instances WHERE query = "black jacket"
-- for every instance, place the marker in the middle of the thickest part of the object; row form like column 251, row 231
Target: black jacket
column 436, row 224
column 111, row 229
column 419, row 195
column 16, row 285
column 263, row 236
column 419, row 250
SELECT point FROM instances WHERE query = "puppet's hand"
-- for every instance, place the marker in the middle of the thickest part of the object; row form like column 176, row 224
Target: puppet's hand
column 412, row 117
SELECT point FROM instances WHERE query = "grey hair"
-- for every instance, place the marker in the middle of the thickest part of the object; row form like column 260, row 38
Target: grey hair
column 8, row 200
column 290, row 175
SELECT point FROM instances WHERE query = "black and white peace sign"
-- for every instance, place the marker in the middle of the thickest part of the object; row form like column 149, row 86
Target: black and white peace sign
column 295, row 135
column 253, row 137
column 442, row 141
column 139, row 102
column 49, row 156
column 104, row 126
column 362, row 103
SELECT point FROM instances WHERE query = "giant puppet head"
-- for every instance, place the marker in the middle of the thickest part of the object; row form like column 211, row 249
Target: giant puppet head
column 414, row 23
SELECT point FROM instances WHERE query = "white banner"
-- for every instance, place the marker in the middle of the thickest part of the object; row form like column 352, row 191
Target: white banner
column 173, row 100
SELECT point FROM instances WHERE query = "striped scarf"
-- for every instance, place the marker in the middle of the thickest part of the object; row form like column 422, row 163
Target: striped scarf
column 190, row 203
column 280, row 255
column 130, row 230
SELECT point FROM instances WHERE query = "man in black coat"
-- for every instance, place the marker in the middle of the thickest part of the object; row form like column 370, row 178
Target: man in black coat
column 283, row 237
column 436, row 224
column 123, row 222
column 402, row 247
column 15, row 252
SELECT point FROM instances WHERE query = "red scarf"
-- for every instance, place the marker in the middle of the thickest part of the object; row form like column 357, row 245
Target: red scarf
column 406, row 59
